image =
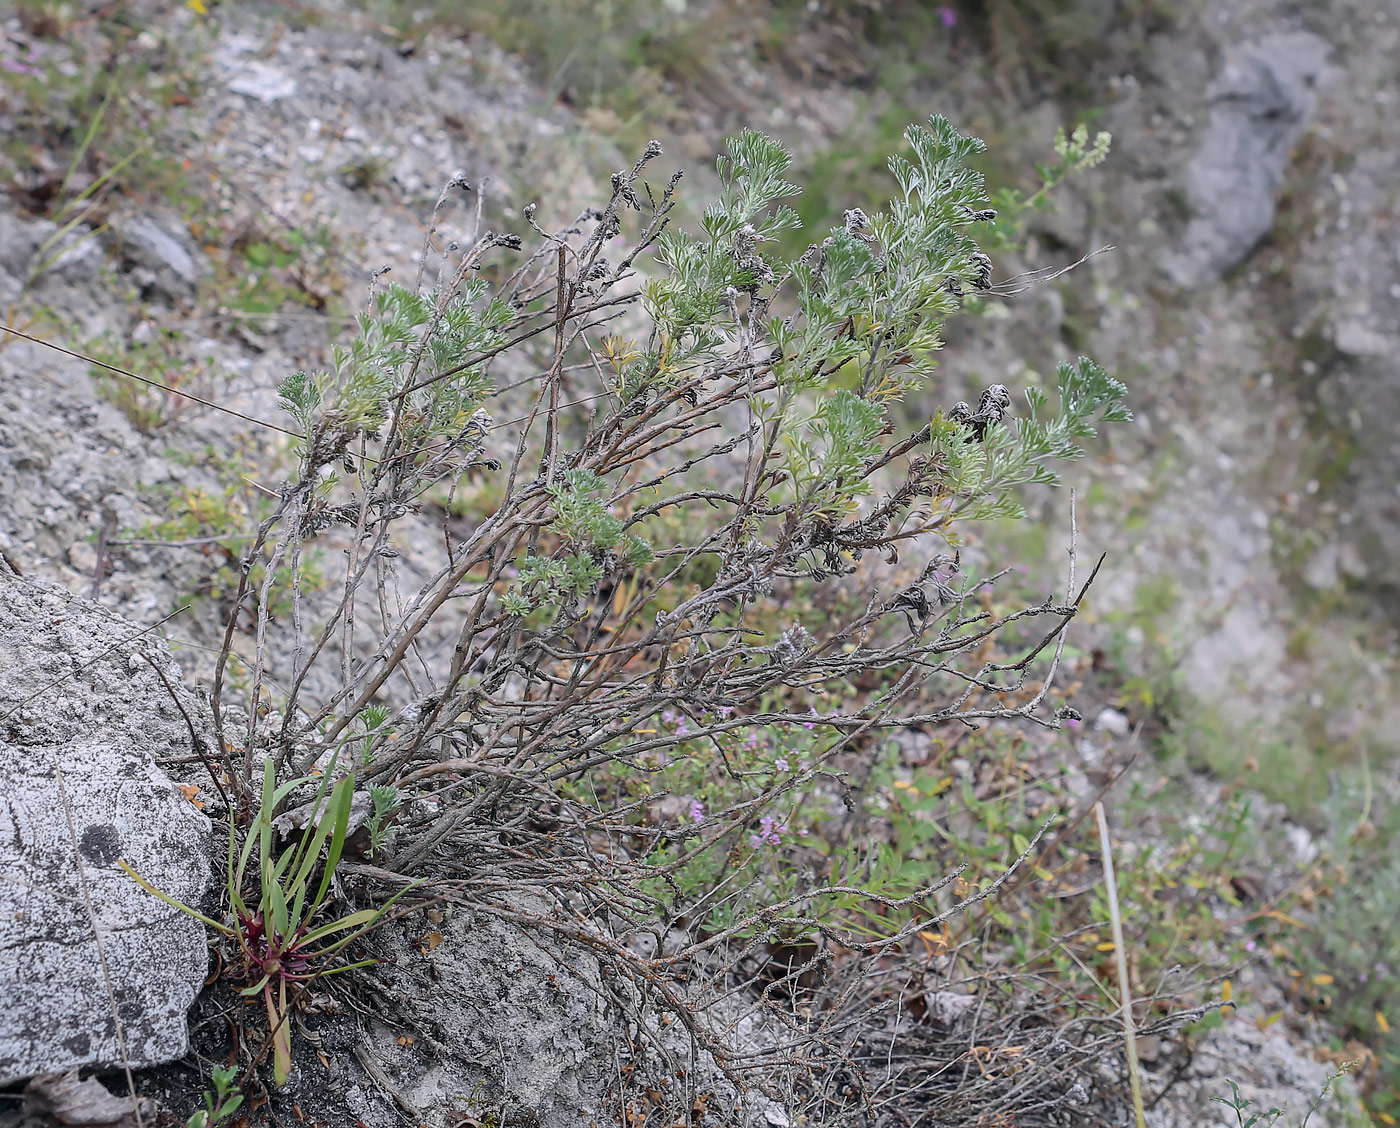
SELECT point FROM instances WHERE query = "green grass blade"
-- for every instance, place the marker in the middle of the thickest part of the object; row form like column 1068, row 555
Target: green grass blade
column 348, row 967
column 314, row 837
column 234, row 882
column 341, row 802
column 277, row 1016
column 366, row 919
column 304, row 846
column 278, row 919
column 263, row 827
column 91, row 135
column 173, row 902
column 355, row 920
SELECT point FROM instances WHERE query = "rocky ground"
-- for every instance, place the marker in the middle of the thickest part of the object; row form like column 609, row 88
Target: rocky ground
column 1250, row 304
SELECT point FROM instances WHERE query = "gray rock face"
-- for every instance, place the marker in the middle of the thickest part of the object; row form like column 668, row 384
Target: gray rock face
column 78, row 781
column 1261, row 102
column 513, row 1013
column 521, row 1020
column 51, row 265
column 1271, row 1072
column 159, row 255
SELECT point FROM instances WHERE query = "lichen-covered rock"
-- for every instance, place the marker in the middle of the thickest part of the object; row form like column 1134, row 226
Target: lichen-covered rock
column 83, row 718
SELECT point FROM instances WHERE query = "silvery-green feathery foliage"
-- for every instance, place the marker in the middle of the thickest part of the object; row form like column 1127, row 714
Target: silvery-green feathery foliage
column 659, row 447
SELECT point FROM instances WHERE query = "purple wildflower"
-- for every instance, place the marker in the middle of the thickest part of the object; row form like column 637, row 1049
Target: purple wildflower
column 769, row 832
column 781, row 763
column 948, row 16
column 697, row 811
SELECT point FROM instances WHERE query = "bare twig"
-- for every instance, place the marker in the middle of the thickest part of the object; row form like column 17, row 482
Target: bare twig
column 1120, row 956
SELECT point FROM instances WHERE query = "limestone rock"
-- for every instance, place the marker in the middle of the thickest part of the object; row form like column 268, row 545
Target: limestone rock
column 502, row 995
column 159, row 255
column 527, row 1022
column 1261, row 102
column 83, row 717
column 1271, row 1071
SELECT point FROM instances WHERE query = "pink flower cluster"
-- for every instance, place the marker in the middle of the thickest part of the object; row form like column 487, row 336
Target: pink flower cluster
column 14, row 66
column 769, row 833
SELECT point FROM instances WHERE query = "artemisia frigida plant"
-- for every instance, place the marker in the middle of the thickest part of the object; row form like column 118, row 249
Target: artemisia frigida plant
column 609, row 693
